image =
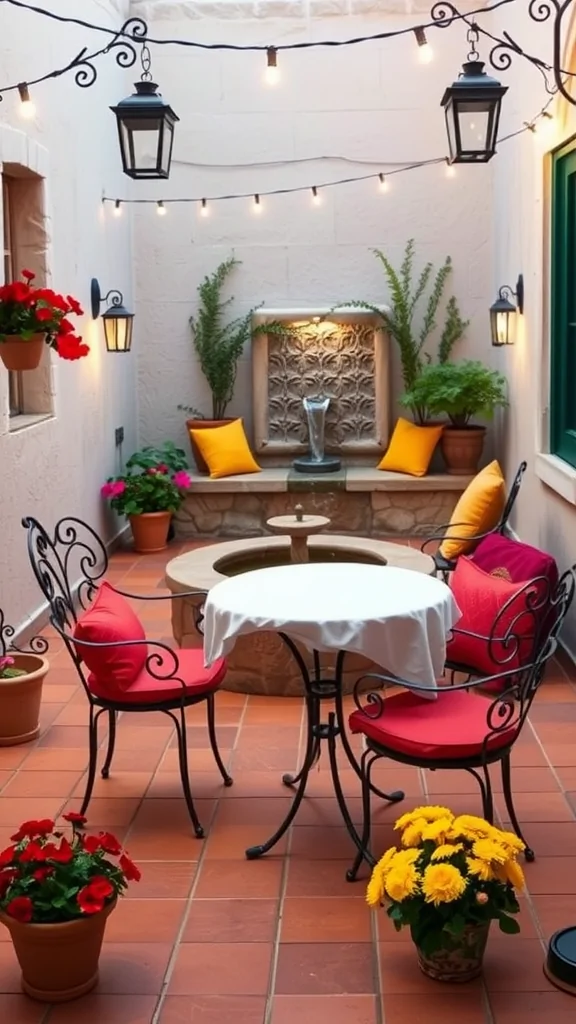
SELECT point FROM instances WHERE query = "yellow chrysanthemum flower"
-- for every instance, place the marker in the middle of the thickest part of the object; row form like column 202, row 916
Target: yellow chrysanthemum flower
column 401, row 882
column 404, row 857
column 375, row 889
column 428, row 813
column 471, row 826
column 511, row 872
column 412, row 834
column 490, row 851
column 442, row 883
column 509, row 840
column 446, row 850
column 481, row 868
column 383, row 864
column 437, row 830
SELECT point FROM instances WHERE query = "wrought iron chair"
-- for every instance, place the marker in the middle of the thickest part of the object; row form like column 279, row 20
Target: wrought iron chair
column 444, row 566
column 69, row 568
column 461, row 729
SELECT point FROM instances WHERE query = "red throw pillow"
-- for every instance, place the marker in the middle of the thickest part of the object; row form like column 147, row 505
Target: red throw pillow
column 111, row 620
column 481, row 597
column 514, row 561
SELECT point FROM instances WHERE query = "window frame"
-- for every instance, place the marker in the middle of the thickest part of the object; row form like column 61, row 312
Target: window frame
column 15, row 378
column 562, row 434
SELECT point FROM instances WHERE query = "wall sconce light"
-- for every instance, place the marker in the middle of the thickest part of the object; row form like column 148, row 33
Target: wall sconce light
column 118, row 322
column 502, row 310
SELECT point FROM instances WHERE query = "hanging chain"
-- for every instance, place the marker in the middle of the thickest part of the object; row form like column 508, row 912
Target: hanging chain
column 472, row 37
column 146, row 61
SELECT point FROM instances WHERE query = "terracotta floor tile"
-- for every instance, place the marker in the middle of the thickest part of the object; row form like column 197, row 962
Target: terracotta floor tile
column 198, row 761
column 197, row 736
column 553, row 838
column 229, row 842
column 554, row 912
column 329, row 968
column 515, row 966
column 14, row 810
column 153, row 844
column 124, row 785
column 18, row 1009
column 97, row 1009
column 42, row 784
column 550, row 876
column 401, row 975
column 266, row 758
column 133, row 968
column 532, row 1007
column 309, row 919
column 213, row 1010
column 239, row 968
column 60, row 737
column 304, row 879
column 13, row 757
column 107, row 810
column 338, row 1009
column 163, row 879
column 446, row 1007
column 311, row 842
column 537, row 807
column 236, row 920
column 253, row 811
column 256, row 879
column 139, row 920
column 9, row 970
column 561, row 753
column 42, row 759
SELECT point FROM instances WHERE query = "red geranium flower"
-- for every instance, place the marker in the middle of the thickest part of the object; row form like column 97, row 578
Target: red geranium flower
column 6, row 879
column 74, row 818
column 42, row 873
column 100, row 887
column 91, row 844
column 8, row 856
column 21, row 909
column 75, row 306
column 110, row 844
column 131, row 872
column 69, row 346
column 28, row 274
column 33, row 851
column 43, row 314
column 62, row 854
column 89, row 901
column 33, row 829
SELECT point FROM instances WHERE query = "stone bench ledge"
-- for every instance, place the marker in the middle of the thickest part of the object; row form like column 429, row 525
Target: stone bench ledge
column 363, row 478
column 354, row 478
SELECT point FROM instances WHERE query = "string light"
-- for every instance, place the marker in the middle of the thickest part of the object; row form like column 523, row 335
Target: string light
column 160, row 208
column 118, row 208
column 204, row 211
column 383, row 184
column 316, row 197
column 257, row 205
column 27, row 108
column 425, row 53
column 272, row 75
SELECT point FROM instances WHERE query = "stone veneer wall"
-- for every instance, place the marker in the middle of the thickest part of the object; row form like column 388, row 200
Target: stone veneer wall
column 370, row 513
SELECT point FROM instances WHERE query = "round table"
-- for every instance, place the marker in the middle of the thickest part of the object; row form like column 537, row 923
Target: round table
column 396, row 617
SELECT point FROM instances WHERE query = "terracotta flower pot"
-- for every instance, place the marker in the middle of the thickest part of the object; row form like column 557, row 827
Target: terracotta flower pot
column 20, row 700
column 462, row 449
column 463, row 961
column 150, row 531
column 59, row 962
column 203, row 425
column 18, row 354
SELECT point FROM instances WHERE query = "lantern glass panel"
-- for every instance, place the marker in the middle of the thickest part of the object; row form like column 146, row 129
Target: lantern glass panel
column 140, row 142
column 474, row 120
column 118, row 333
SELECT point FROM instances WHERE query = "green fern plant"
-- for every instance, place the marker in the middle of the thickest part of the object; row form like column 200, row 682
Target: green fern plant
column 399, row 320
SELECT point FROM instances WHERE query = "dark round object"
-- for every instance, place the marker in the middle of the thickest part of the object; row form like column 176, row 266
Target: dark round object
column 560, row 966
column 329, row 464
column 253, row 852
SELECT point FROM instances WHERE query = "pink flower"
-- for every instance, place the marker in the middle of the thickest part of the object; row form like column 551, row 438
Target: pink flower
column 6, row 662
column 112, row 489
column 182, row 480
column 162, row 468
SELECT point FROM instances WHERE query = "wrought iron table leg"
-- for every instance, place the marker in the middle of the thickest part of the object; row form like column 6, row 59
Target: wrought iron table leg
column 398, row 794
column 313, row 745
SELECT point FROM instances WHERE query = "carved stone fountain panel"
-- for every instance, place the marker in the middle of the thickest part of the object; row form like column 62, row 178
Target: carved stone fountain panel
column 344, row 358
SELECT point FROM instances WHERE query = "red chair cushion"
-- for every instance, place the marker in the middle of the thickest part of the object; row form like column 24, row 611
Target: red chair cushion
column 452, row 727
column 481, row 597
column 145, row 689
column 514, row 561
column 111, row 620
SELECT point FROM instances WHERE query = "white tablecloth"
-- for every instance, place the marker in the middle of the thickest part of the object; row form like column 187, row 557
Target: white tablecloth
column 397, row 618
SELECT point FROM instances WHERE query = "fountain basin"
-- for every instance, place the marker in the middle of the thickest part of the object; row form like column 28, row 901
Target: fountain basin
column 260, row 663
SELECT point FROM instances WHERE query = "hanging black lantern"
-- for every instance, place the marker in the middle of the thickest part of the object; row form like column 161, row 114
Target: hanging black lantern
column 503, row 313
column 145, row 129
column 472, row 109
column 118, row 321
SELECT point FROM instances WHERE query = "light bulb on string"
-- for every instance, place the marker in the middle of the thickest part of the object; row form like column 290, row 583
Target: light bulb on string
column 160, row 208
column 382, row 183
column 272, row 73
column 204, row 211
column 117, row 208
column 425, row 53
column 257, row 205
column 316, row 197
column 27, row 108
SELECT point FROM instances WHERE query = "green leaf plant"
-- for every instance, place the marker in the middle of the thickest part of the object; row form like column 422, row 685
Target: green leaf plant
column 461, row 391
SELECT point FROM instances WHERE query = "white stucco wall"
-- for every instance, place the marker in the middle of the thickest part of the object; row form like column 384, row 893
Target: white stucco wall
column 372, row 102
column 521, row 221
column 55, row 468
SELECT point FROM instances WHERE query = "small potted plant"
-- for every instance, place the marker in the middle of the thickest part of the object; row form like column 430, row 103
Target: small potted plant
column 22, row 675
column 148, row 498
column 56, row 894
column 460, row 391
column 219, row 346
column 31, row 317
column 452, row 877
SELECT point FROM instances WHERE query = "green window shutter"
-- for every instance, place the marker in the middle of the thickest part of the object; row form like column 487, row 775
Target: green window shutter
column 563, row 306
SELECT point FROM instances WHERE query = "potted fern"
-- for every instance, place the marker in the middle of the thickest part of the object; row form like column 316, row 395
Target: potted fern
column 460, row 391
column 399, row 320
column 219, row 346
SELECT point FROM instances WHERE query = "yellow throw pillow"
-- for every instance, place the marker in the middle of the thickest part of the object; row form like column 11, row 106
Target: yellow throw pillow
column 479, row 510
column 225, row 450
column 411, row 448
